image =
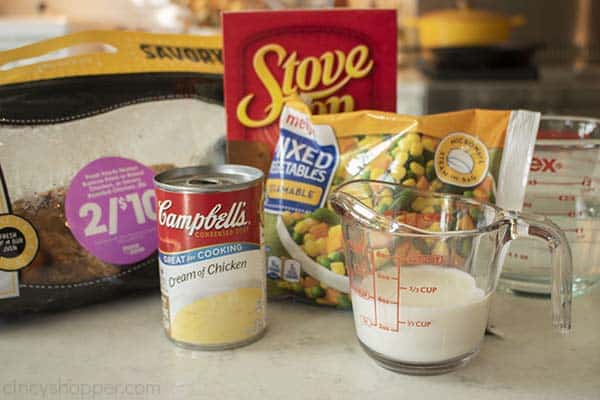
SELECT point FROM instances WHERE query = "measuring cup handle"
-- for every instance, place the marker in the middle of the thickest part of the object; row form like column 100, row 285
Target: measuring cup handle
column 527, row 225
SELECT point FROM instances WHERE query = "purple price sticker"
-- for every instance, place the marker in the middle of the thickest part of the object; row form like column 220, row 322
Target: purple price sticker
column 110, row 208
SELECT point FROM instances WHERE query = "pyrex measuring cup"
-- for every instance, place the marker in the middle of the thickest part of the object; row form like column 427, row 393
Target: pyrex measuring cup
column 422, row 267
column 564, row 186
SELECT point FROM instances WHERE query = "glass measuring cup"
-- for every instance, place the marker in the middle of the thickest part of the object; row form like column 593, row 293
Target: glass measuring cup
column 564, row 186
column 422, row 267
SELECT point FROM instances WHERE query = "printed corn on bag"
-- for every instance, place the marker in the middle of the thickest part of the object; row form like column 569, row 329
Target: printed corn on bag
column 483, row 154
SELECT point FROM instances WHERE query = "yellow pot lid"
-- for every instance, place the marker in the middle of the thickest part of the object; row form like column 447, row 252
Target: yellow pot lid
column 465, row 15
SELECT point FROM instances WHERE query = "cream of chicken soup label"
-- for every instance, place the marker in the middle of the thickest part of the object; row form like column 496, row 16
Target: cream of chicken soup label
column 211, row 257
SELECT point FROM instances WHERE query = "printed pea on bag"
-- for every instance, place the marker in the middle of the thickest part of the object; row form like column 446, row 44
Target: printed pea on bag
column 483, row 154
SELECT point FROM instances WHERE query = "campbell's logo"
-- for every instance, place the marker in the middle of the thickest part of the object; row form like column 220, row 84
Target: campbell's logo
column 540, row 164
column 235, row 217
column 320, row 78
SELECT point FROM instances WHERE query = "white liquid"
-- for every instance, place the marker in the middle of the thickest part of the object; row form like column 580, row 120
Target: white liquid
column 442, row 314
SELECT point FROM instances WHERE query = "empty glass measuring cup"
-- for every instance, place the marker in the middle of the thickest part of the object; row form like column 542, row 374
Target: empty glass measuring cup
column 422, row 267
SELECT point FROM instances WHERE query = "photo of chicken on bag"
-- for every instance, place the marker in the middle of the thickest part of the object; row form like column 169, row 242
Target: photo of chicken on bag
column 479, row 154
column 82, row 137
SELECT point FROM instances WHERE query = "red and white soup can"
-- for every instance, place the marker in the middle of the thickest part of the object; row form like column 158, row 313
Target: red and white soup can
column 211, row 255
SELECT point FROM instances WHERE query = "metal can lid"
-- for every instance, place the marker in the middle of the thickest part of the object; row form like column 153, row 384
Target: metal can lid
column 208, row 178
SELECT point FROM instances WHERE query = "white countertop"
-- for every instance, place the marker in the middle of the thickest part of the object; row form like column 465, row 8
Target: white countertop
column 118, row 350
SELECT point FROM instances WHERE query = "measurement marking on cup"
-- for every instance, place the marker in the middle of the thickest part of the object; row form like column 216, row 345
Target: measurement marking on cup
column 362, row 293
column 576, row 230
column 420, row 289
column 372, row 262
column 386, row 301
column 387, row 277
column 552, row 213
column 398, row 297
column 586, row 181
column 409, row 323
column 386, row 328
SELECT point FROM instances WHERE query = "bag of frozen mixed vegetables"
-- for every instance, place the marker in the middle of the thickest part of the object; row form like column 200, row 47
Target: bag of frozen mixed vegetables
column 483, row 154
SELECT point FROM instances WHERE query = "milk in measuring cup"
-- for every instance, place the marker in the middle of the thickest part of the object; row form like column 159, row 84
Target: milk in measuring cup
column 441, row 313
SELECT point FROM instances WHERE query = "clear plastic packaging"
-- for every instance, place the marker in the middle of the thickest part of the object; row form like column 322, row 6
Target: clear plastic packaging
column 80, row 148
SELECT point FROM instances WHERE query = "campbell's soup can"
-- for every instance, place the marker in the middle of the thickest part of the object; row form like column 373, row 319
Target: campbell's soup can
column 211, row 255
